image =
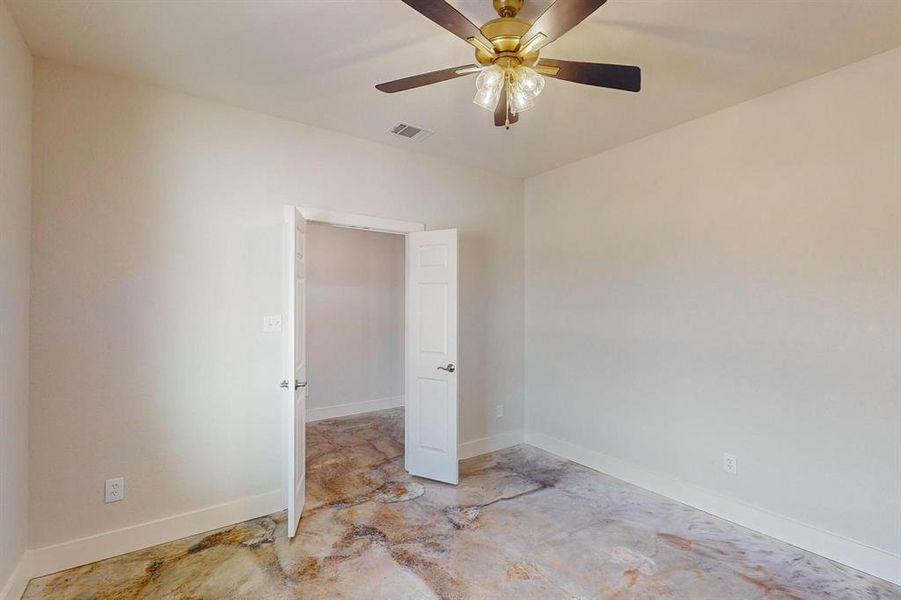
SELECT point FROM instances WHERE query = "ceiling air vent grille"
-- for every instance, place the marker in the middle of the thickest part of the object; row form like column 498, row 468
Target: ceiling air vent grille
column 417, row 134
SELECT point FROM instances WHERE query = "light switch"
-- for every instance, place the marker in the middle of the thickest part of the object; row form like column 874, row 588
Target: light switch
column 272, row 323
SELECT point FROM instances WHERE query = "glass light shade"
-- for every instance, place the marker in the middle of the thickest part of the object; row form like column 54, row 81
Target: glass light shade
column 529, row 81
column 490, row 77
column 487, row 98
column 520, row 100
column 489, row 84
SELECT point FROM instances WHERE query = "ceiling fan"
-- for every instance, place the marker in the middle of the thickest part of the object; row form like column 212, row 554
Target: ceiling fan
column 510, row 70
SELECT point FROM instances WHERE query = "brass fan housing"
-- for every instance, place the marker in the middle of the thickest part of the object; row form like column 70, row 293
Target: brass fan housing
column 505, row 33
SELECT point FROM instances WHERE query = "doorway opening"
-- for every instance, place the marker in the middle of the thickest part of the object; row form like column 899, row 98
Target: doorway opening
column 345, row 297
column 355, row 302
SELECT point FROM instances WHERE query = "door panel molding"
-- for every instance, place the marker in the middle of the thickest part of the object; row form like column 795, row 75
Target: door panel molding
column 431, row 356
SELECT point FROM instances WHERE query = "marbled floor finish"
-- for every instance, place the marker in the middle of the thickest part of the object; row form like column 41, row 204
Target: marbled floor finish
column 521, row 524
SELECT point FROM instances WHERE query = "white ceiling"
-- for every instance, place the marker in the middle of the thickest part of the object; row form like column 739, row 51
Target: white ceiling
column 317, row 61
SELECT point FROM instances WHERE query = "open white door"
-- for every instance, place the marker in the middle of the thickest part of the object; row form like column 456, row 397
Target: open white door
column 431, row 386
column 294, row 361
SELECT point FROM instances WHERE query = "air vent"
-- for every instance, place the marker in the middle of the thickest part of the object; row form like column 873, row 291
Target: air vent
column 417, row 134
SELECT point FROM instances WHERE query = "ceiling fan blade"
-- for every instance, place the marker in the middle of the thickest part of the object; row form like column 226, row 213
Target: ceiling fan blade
column 617, row 77
column 408, row 83
column 560, row 17
column 448, row 17
column 500, row 113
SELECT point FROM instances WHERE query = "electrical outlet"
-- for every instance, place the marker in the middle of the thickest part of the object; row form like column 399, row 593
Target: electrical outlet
column 500, row 411
column 730, row 463
column 114, row 490
column 272, row 323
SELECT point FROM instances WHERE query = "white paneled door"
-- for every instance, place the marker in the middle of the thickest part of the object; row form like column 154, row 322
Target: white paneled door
column 294, row 362
column 431, row 386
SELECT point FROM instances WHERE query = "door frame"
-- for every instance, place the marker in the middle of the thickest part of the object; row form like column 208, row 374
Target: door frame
column 382, row 225
column 355, row 221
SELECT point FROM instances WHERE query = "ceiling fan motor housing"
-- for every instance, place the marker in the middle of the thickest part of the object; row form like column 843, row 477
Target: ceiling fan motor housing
column 505, row 34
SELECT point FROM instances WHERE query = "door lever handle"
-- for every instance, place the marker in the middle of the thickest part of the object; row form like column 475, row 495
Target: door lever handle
column 450, row 368
column 297, row 384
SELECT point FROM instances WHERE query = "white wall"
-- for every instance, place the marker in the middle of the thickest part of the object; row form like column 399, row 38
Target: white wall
column 156, row 255
column 15, row 235
column 731, row 285
column 355, row 317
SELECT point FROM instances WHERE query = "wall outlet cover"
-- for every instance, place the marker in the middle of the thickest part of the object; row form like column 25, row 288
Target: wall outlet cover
column 730, row 463
column 500, row 411
column 114, row 490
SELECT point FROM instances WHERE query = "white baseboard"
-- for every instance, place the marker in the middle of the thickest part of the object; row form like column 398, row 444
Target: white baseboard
column 858, row 555
column 50, row 559
column 15, row 585
column 353, row 408
column 489, row 444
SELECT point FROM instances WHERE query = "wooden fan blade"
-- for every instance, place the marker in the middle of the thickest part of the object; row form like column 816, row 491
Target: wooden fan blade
column 617, row 77
column 448, row 17
column 560, row 17
column 500, row 113
column 408, row 83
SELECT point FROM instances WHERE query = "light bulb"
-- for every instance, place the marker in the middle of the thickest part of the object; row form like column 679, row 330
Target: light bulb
column 520, row 100
column 489, row 84
column 529, row 81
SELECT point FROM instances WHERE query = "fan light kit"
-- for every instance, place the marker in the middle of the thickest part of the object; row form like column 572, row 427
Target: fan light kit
column 521, row 85
column 510, row 71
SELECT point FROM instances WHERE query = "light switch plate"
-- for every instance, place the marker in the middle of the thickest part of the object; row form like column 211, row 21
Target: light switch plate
column 272, row 323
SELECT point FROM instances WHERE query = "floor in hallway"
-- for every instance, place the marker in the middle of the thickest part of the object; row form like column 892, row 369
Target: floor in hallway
column 521, row 524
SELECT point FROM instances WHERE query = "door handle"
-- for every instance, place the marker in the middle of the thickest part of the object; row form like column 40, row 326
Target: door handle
column 297, row 384
column 450, row 368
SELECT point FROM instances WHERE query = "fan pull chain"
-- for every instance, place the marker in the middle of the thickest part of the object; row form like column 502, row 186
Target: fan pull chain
column 507, row 100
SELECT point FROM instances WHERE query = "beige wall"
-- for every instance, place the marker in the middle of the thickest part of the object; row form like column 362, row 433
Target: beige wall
column 156, row 254
column 732, row 285
column 355, row 316
column 15, row 233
